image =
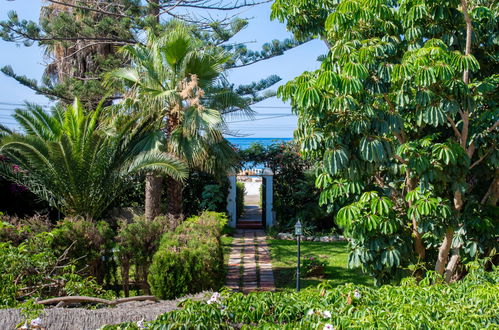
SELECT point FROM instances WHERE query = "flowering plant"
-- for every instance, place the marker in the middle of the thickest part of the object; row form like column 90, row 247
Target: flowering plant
column 313, row 265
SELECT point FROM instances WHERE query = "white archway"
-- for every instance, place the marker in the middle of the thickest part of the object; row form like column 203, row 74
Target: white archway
column 267, row 175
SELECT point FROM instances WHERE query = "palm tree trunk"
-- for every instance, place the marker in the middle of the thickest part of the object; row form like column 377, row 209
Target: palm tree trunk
column 153, row 196
column 174, row 190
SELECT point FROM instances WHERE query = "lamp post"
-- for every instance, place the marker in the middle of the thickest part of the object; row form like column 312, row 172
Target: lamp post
column 298, row 233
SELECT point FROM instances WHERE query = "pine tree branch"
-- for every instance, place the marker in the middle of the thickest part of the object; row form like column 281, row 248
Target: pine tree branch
column 198, row 4
column 100, row 11
column 275, row 48
column 33, row 38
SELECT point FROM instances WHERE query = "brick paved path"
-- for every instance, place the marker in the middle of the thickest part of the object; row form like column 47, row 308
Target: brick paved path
column 250, row 268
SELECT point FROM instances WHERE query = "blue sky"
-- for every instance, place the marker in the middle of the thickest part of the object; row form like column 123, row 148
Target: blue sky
column 273, row 117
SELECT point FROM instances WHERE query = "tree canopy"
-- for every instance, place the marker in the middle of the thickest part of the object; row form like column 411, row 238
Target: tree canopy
column 402, row 122
column 81, row 39
column 76, row 161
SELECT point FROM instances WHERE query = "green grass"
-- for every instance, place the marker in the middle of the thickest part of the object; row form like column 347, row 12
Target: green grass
column 283, row 255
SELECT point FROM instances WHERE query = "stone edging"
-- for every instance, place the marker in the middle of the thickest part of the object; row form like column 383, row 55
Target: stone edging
column 291, row 237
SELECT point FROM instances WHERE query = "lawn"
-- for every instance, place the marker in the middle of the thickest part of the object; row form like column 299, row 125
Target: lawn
column 284, row 264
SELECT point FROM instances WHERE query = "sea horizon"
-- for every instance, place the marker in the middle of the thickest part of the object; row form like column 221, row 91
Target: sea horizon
column 245, row 142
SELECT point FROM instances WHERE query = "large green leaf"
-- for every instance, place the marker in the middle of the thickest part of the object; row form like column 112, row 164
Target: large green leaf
column 335, row 160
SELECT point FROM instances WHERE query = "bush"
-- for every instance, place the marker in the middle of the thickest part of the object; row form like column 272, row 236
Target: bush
column 468, row 304
column 136, row 244
column 190, row 259
column 86, row 243
column 240, row 192
column 16, row 230
column 34, row 270
column 313, row 265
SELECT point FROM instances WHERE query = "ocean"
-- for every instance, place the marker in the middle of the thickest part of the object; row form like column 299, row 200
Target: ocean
column 243, row 143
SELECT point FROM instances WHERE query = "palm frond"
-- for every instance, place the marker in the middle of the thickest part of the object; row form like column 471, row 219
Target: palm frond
column 159, row 162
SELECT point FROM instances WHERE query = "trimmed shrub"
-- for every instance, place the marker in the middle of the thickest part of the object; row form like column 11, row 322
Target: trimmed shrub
column 136, row 244
column 240, row 192
column 190, row 259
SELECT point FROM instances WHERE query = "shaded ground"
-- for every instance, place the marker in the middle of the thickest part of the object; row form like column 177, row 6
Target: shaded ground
column 284, row 254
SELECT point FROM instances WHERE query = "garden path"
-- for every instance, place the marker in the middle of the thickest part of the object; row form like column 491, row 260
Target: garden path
column 250, row 268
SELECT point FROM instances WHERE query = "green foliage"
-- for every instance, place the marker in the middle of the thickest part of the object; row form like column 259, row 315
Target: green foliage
column 398, row 105
column 189, row 259
column 15, row 230
column 75, row 162
column 380, row 240
column 137, row 241
column 438, row 306
column 313, row 265
column 240, row 193
column 33, row 269
column 174, row 79
column 73, row 38
column 193, row 192
column 213, row 198
column 136, row 244
column 84, row 243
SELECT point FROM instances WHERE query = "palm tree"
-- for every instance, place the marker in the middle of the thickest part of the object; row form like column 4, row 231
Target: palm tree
column 75, row 162
column 176, row 78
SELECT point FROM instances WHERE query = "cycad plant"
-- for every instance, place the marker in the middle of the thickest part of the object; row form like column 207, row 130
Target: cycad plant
column 176, row 78
column 75, row 162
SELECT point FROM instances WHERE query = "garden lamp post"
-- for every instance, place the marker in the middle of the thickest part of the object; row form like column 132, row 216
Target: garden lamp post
column 298, row 233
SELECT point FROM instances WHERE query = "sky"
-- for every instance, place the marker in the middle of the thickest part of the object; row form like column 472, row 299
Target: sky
column 273, row 117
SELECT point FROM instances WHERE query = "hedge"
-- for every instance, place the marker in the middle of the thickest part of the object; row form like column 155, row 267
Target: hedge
column 189, row 259
column 240, row 192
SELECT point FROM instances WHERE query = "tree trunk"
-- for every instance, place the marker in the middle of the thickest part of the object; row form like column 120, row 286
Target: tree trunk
column 125, row 274
column 418, row 239
column 443, row 251
column 492, row 195
column 174, row 191
column 452, row 265
column 142, row 270
column 153, row 196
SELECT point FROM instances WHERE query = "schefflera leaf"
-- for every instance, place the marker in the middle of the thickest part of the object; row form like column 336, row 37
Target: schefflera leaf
column 335, row 160
column 372, row 150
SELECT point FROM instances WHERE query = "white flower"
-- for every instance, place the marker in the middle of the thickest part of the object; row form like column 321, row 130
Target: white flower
column 328, row 327
column 140, row 324
column 326, row 314
column 215, row 297
column 36, row 322
column 310, row 312
column 357, row 294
